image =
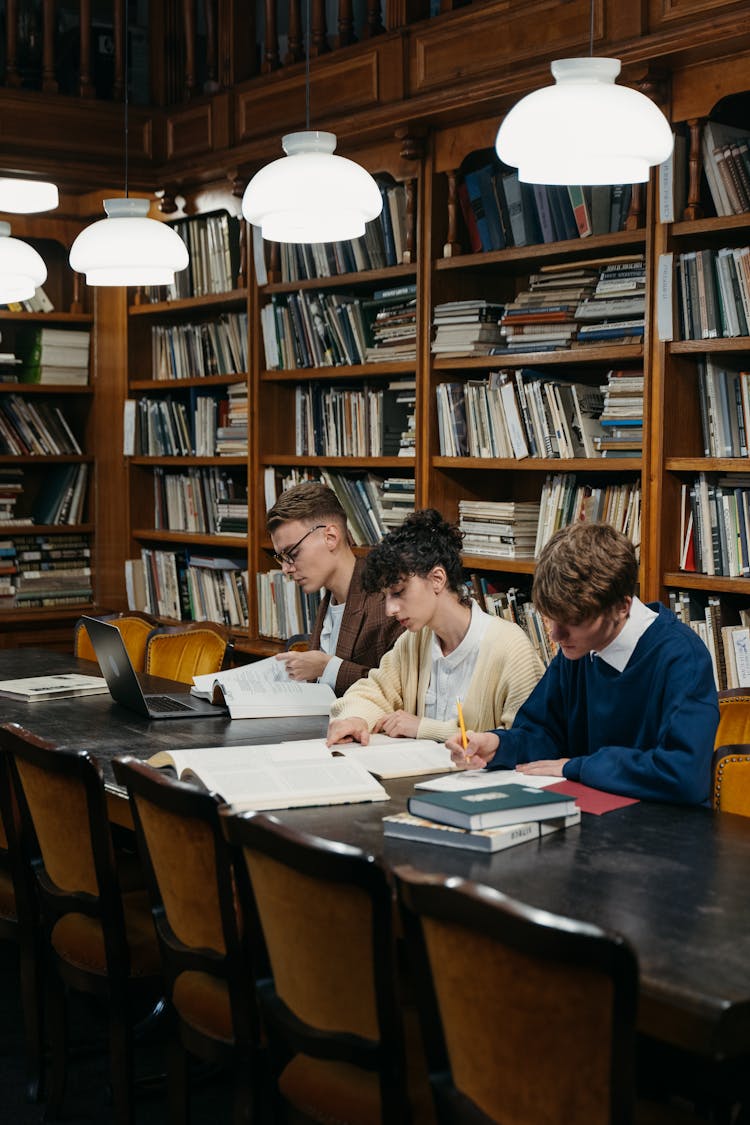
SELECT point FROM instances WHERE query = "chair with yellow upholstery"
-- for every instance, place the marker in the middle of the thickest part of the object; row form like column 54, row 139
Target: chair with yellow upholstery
column 209, row 991
column 527, row 1016
column 341, row 1047
column 134, row 627
column 179, row 652
column 97, row 936
column 731, row 765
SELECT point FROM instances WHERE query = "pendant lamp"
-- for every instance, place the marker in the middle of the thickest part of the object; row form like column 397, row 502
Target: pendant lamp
column 26, row 197
column 311, row 195
column 128, row 248
column 22, row 270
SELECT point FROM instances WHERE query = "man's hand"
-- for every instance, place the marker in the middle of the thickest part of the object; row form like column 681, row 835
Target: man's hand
column 481, row 749
column 308, row 666
column 553, row 767
column 348, row 730
column 398, row 724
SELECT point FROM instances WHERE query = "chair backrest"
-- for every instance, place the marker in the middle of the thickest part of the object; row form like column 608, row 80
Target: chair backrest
column 734, row 717
column 188, row 866
column 731, row 779
column 298, row 642
column 134, row 627
column 183, row 651
column 527, row 1016
column 65, row 835
column 326, row 913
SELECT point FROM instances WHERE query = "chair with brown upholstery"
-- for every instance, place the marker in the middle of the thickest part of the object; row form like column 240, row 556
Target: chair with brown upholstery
column 734, row 717
column 731, row 765
column 19, row 923
column 98, row 937
column 209, row 991
column 183, row 651
column 331, row 1005
column 298, row 642
column 527, row 1017
column 134, row 627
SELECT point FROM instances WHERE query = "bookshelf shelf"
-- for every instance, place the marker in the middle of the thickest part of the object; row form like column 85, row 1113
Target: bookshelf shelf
column 342, row 280
column 707, row 582
column 704, row 347
column 591, row 354
column 282, row 459
column 163, row 535
column 707, row 464
column 511, row 566
column 723, row 224
column 617, row 465
column 574, row 248
column 178, row 384
column 45, row 389
column 46, row 459
column 354, row 371
column 188, row 461
column 47, row 317
column 166, row 309
column 42, row 616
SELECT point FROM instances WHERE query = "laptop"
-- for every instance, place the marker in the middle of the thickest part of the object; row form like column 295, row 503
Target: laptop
column 124, row 685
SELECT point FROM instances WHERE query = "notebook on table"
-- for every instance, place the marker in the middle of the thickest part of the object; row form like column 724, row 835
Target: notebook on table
column 125, row 687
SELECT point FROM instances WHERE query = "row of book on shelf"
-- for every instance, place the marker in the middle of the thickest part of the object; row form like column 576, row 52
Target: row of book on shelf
column 213, row 244
column 201, row 425
column 361, row 421
column 40, row 571
column 533, row 413
column 715, row 525
column 191, row 351
column 59, row 497
column 712, row 292
column 383, row 244
column 724, row 400
column 728, row 644
column 34, row 428
column 46, row 356
column 313, row 329
column 185, row 586
column 373, row 504
column 501, row 211
column 207, row 501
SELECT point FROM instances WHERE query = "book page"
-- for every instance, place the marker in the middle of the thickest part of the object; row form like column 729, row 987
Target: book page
column 263, row 674
column 234, row 759
column 265, row 784
column 485, row 779
column 383, row 756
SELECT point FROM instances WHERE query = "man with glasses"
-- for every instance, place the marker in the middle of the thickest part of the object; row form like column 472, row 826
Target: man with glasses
column 311, row 543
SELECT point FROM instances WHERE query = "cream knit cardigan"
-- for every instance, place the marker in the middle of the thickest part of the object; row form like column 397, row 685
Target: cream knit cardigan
column 506, row 671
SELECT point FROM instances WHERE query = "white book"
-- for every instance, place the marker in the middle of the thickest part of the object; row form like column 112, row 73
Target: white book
column 263, row 690
column 479, row 779
column 36, row 689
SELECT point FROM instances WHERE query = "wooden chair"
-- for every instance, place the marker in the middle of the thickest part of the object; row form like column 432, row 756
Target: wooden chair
column 299, row 642
column 135, row 628
column 527, row 1017
column 331, row 1005
column 98, row 936
column 209, row 990
column 183, row 651
column 19, row 923
column 734, row 718
column 731, row 763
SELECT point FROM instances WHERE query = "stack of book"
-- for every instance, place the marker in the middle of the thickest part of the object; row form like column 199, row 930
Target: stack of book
column 391, row 317
column 499, row 529
column 622, row 415
column 231, row 433
column 488, row 819
column 542, row 318
column 232, row 516
column 52, row 571
column 11, row 491
column 565, row 501
column 469, row 327
column 397, row 501
column 53, row 355
column 615, row 312
column 726, row 162
column 8, row 571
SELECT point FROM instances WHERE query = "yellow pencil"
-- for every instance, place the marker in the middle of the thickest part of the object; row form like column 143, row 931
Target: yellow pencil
column 462, row 725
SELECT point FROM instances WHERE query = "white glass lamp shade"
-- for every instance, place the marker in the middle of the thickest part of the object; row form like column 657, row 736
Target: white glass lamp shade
column 25, row 197
column 584, row 129
column 310, row 195
column 128, row 248
column 22, row 270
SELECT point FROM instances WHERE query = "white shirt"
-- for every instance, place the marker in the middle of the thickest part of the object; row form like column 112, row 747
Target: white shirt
column 450, row 675
column 618, row 652
column 329, row 638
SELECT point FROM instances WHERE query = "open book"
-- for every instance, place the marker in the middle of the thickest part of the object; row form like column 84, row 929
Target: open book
column 35, row 689
column 307, row 772
column 263, row 690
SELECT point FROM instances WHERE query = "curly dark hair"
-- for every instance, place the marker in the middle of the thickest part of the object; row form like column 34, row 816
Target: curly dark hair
column 423, row 541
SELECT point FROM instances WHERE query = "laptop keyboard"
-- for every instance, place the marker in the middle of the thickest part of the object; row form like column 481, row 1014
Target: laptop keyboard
column 164, row 704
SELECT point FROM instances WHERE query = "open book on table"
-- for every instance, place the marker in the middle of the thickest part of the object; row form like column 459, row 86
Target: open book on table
column 307, row 772
column 263, row 690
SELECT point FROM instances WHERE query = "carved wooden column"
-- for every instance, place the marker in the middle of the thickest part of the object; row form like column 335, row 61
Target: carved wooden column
column 271, row 59
column 635, row 217
column 211, row 85
column 412, row 148
column 49, row 82
column 373, row 23
column 188, row 25
column 318, row 33
column 346, row 23
column 452, row 246
column 296, row 48
column 12, row 74
column 274, row 264
column 239, row 183
column 76, row 304
column 693, row 209
column 85, row 85
column 119, row 33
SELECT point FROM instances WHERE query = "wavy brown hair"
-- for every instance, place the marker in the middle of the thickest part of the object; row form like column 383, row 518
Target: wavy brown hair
column 584, row 570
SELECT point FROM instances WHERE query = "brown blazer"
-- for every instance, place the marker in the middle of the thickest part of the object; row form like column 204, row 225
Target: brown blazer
column 366, row 633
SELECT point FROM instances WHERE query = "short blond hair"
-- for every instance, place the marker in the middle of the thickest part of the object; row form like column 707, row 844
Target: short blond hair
column 309, row 502
column 585, row 570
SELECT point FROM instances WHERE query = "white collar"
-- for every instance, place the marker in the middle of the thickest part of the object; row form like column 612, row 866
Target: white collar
column 619, row 651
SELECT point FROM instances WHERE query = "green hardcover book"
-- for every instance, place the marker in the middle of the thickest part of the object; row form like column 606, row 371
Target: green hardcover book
column 491, row 806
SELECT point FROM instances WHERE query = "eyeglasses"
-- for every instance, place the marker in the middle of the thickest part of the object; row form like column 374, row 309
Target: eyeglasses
column 289, row 556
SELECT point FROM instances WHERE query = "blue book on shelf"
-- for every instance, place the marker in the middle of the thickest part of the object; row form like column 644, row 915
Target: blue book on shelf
column 387, row 225
column 471, row 179
column 490, row 205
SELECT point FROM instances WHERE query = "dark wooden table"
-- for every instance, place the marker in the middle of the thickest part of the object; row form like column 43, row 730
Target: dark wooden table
column 675, row 881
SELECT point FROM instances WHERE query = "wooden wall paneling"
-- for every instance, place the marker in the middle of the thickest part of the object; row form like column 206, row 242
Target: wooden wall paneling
column 696, row 88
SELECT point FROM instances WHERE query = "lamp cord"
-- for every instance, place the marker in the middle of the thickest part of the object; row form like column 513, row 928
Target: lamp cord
column 591, row 31
column 307, row 65
column 126, row 63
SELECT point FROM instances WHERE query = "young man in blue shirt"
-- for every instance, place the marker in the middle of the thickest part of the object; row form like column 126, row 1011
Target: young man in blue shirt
column 629, row 703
